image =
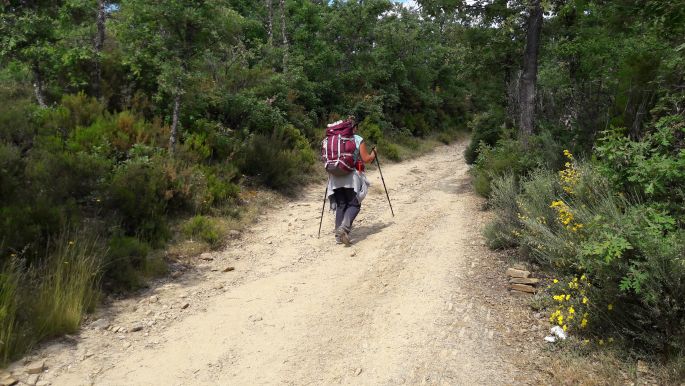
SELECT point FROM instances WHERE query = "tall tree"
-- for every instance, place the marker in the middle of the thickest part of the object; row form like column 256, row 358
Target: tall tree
column 28, row 35
column 284, row 33
column 98, row 43
column 530, row 71
column 270, row 21
column 175, row 38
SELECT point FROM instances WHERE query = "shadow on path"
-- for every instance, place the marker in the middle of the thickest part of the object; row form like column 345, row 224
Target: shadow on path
column 363, row 231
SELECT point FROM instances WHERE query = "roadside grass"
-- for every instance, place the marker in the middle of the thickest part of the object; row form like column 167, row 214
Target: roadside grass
column 10, row 278
column 66, row 284
column 50, row 297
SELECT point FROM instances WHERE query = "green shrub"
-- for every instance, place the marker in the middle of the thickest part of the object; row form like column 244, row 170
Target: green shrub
column 274, row 164
column 653, row 167
column 508, row 157
column 126, row 263
column 486, row 128
column 139, row 192
column 205, row 229
column 389, row 150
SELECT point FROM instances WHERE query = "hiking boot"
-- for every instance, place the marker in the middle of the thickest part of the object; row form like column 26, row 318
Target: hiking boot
column 345, row 238
column 342, row 236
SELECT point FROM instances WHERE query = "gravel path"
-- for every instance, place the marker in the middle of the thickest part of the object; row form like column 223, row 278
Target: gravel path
column 417, row 299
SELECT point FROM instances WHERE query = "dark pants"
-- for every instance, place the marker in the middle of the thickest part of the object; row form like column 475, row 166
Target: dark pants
column 347, row 208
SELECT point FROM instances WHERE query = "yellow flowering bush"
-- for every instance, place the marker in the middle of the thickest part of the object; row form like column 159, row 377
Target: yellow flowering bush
column 570, row 175
column 565, row 216
column 571, row 307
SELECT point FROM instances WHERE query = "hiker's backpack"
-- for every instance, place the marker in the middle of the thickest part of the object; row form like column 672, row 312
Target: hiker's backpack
column 338, row 148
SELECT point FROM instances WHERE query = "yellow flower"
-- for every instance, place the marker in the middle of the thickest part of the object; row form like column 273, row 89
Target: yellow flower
column 571, row 310
column 556, row 281
column 611, row 340
column 71, row 243
column 560, row 319
column 586, row 341
column 565, row 327
column 584, row 300
column 610, row 307
column 601, row 342
column 568, row 297
column 583, row 323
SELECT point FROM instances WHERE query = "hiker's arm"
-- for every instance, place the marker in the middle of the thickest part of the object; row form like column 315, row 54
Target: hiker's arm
column 366, row 156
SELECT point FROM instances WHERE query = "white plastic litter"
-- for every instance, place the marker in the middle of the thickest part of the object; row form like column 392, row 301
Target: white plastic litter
column 557, row 333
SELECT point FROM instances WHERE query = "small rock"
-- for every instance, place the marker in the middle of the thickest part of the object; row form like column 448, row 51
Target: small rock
column 176, row 274
column 185, row 305
column 513, row 272
column 234, row 233
column 35, row 367
column 137, row 327
column 148, row 313
column 255, row 318
column 43, row 383
column 206, row 257
column 127, row 344
column 450, row 306
column 642, row 367
column 271, row 241
column 358, row 371
column 9, row 381
column 151, row 323
column 228, row 269
column 524, row 280
column 100, row 324
column 32, row 379
column 154, row 299
column 523, row 288
column 353, row 254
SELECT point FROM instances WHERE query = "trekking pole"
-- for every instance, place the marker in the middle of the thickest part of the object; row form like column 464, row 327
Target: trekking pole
column 382, row 179
column 325, row 195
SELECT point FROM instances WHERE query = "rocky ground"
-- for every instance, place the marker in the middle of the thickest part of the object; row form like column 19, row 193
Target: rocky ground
column 417, row 299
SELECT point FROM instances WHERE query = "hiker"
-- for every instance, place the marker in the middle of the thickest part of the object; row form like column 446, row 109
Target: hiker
column 347, row 184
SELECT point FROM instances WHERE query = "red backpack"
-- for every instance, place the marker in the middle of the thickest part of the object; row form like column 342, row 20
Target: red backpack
column 338, row 148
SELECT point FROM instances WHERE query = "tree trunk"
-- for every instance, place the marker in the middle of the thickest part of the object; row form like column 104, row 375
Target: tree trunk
column 285, row 36
column 98, row 44
column 270, row 27
column 38, row 86
column 174, row 124
column 530, row 72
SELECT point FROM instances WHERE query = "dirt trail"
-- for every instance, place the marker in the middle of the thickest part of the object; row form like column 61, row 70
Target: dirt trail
column 417, row 299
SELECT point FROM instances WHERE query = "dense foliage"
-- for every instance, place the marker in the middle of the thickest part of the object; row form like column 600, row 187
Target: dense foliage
column 596, row 195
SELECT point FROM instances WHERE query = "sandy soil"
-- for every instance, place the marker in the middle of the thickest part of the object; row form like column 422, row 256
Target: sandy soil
column 417, row 299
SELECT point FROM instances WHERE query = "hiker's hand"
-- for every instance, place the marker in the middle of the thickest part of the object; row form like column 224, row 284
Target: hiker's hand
column 373, row 151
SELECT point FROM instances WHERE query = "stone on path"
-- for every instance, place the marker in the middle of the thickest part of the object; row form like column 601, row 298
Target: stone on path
column 523, row 288
column 228, row 269
column 35, row 367
column 8, row 381
column 100, row 324
column 32, row 379
column 524, row 280
column 518, row 273
column 136, row 327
